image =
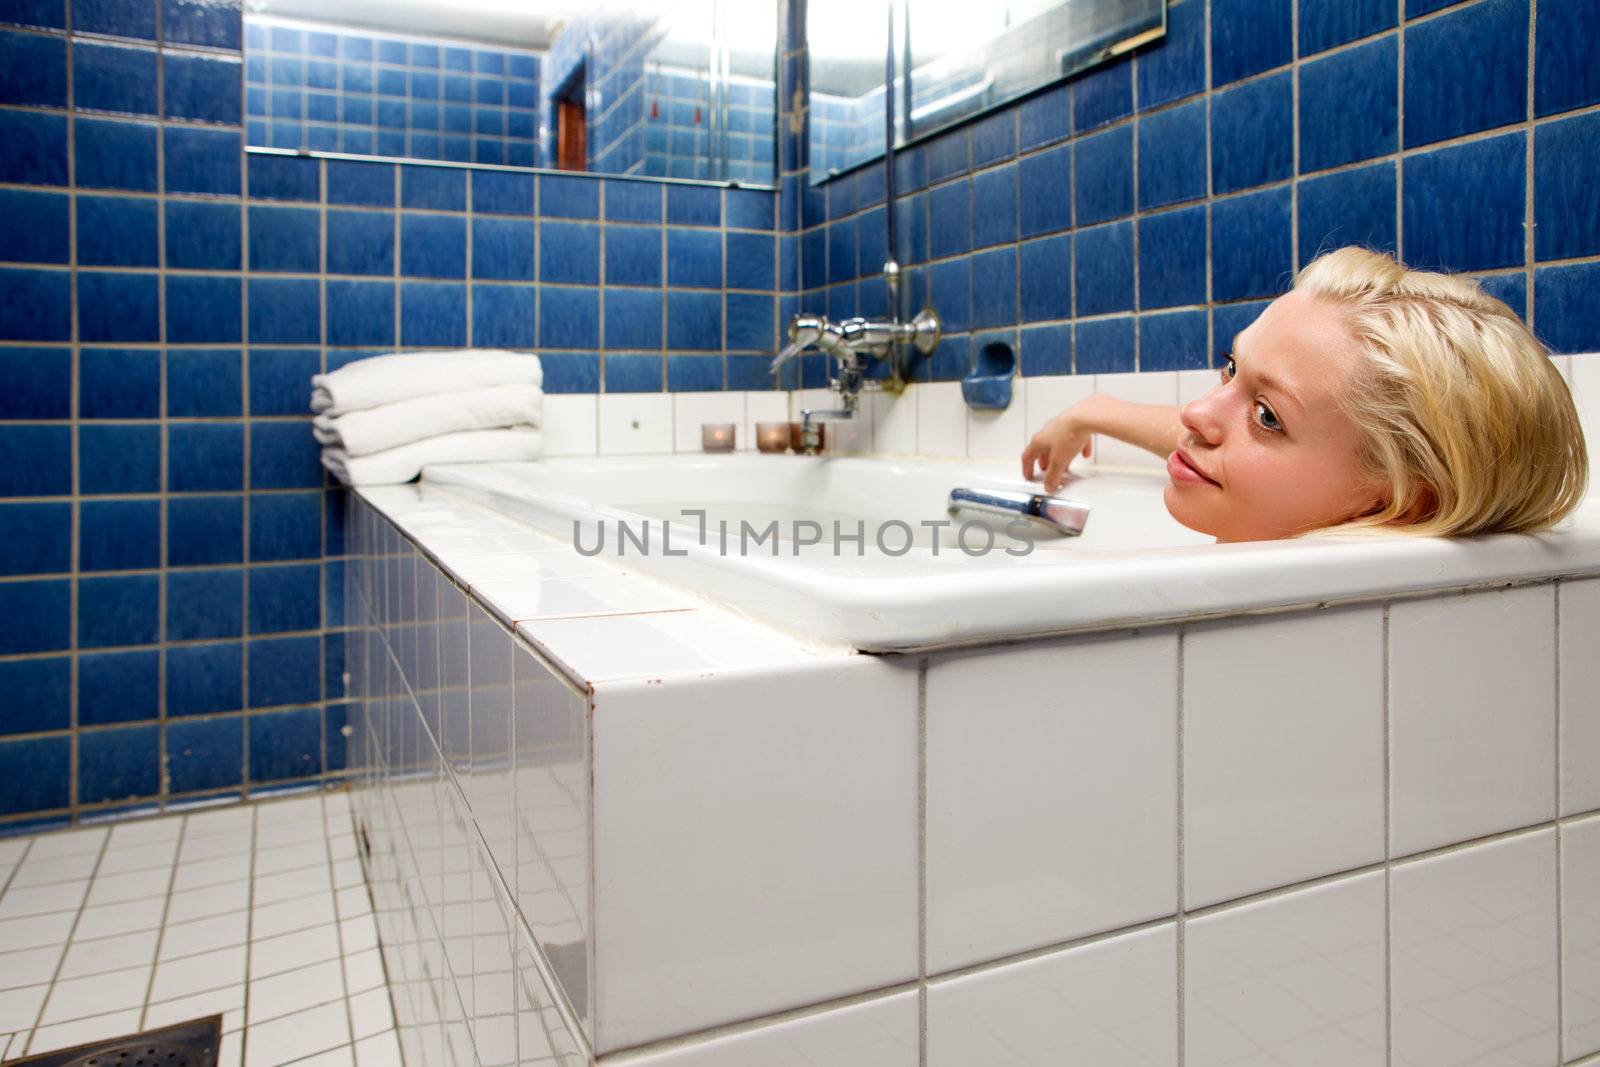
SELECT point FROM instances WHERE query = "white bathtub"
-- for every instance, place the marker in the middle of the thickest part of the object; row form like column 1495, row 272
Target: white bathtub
column 1133, row 565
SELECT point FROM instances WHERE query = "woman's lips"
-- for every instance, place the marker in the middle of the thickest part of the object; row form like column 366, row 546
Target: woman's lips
column 1182, row 469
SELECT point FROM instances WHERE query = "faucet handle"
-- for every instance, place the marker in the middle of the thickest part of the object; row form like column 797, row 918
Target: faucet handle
column 806, row 330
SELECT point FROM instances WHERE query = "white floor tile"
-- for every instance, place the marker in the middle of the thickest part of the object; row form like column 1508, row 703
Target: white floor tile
column 380, row 1050
column 291, row 857
column 69, row 842
column 79, row 998
column 371, row 1012
column 293, row 1037
column 212, row 900
column 231, row 1050
column 117, row 953
column 198, row 974
column 132, row 885
column 358, row 934
column 288, row 952
column 197, row 874
column 204, row 935
column 292, row 991
column 112, row 919
column 41, row 900
column 156, row 855
column 285, row 916
column 19, row 1008
column 83, row 1031
column 37, row 931
column 47, row 870
column 29, row 966
column 363, row 971
column 229, row 1003
column 339, row 1057
column 291, row 885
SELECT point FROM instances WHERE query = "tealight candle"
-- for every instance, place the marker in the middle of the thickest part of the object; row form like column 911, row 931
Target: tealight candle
column 772, row 436
column 797, row 435
column 716, row 436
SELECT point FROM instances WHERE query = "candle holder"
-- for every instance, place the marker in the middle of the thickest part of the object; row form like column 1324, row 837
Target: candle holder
column 772, row 436
column 716, row 437
column 797, row 435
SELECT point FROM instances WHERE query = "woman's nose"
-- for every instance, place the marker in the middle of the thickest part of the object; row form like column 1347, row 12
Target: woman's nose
column 1201, row 417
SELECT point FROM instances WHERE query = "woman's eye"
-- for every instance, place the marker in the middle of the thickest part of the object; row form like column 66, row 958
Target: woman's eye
column 1266, row 417
column 1228, row 368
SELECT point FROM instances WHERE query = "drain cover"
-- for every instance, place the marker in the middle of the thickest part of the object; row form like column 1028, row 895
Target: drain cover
column 192, row 1044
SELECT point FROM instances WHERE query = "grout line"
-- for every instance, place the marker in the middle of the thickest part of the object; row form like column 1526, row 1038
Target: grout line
column 249, row 932
column 161, row 930
column 72, row 930
column 1180, row 932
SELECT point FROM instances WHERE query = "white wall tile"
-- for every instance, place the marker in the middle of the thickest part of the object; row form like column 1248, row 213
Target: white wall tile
column 998, row 434
column 1580, row 696
column 691, row 410
column 755, row 843
column 875, row 1033
column 941, row 418
column 894, row 421
column 1585, row 371
column 1150, row 387
column 1110, row 1003
column 1471, row 715
column 771, row 406
column 1473, row 942
column 1194, row 384
column 1282, row 750
column 1580, row 936
column 634, row 423
column 571, row 424
column 1048, row 396
column 1051, row 779
column 1292, row 979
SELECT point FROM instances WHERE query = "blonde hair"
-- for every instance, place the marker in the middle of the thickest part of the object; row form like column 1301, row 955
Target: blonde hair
column 1459, row 408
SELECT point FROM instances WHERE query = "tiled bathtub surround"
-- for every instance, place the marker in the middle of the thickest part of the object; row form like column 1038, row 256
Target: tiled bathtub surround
column 1137, row 217
column 1175, row 869
column 170, row 595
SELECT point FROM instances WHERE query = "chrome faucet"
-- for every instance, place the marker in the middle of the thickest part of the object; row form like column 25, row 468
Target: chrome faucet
column 849, row 342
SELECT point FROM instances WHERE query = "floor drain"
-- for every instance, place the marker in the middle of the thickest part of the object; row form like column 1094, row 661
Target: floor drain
column 192, row 1044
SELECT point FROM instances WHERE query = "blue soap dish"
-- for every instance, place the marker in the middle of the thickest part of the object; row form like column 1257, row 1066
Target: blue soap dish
column 987, row 385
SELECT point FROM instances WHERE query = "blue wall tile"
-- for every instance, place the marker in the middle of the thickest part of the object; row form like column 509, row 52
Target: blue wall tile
column 1464, row 206
column 287, row 239
column 1466, row 71
column 1565, row 209
column 1252, row 134
column 694, row 320
column 284, row 598
column 280, row 379
column 284, row 670
column 35, row 539
column 433, row 246
column 108, row 77
column 118, row 764
column 117, row 231
column 123, row 610
column 1045, row 350
column 285, row 178
column 202, row 89
column 34, row 227
column 40, row 308
column 1175, row 67
column 36, row 148
column 503, row 316
column 204, row 603
column 35, row 71
column 284, row 311
column 202, row 161
column 433, row 188
column 1250, row 236
column 1325, row 23
column 1173, row 341
column 204, row 382
column 205, row 456
column 284, row 455
column 633, row 318
column 1102, row 96
column 361, row 242
column 118, row 687
column 635, row 373
column 1104, row 268
column 433, row 313
column 36, row 460
column 285, row 744
column 115, row 535
column 117, row 458
column 1045, row 279
column 116, row 18
column 41, row 691
column 364, row 184
column 569, row 197
column 694, row 257
column 1103, row 346
column 1172, row 258
column 115, row 155
column 118, row 307
column 994, row 215
column 216, row 23
column 1172, row 155
column 503, row 249
column 1349, row 105
column 204, row 530
column 502, row 193
column 361, row 313
column 1045, row 197
column 1565, row 74
column 1103, row 168
column 205, row 678
column 749, row 261
column 1564, row 307
column 35, row 774
column 1350, row 207
column 206, row 309
column 204, row 755
column 38, row 383
column 202, row 235
column 1248, row 37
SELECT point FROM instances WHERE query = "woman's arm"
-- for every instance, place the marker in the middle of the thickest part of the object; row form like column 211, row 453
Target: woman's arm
column 1152, row 427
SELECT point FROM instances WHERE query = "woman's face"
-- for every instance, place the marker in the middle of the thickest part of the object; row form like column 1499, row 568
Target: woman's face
column 1268, row 453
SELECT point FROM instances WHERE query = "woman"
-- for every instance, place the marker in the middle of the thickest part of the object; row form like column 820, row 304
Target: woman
column 1368, row 398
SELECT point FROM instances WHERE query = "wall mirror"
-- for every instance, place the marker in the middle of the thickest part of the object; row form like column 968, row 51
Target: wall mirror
column 680, row 89
column 952, row 59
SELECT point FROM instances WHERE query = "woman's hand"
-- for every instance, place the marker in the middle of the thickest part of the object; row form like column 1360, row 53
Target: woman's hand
column 1057, row 443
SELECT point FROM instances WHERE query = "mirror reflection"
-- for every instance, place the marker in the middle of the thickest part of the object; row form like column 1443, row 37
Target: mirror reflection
column 684, row 89
column 952, row 60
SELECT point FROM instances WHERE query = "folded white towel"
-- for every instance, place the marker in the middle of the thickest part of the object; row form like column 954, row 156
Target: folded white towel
column 402, row 464
column 361, row 433
column 378, row 380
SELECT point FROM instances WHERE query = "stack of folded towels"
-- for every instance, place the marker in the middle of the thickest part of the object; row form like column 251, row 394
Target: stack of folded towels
column 380, row 420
